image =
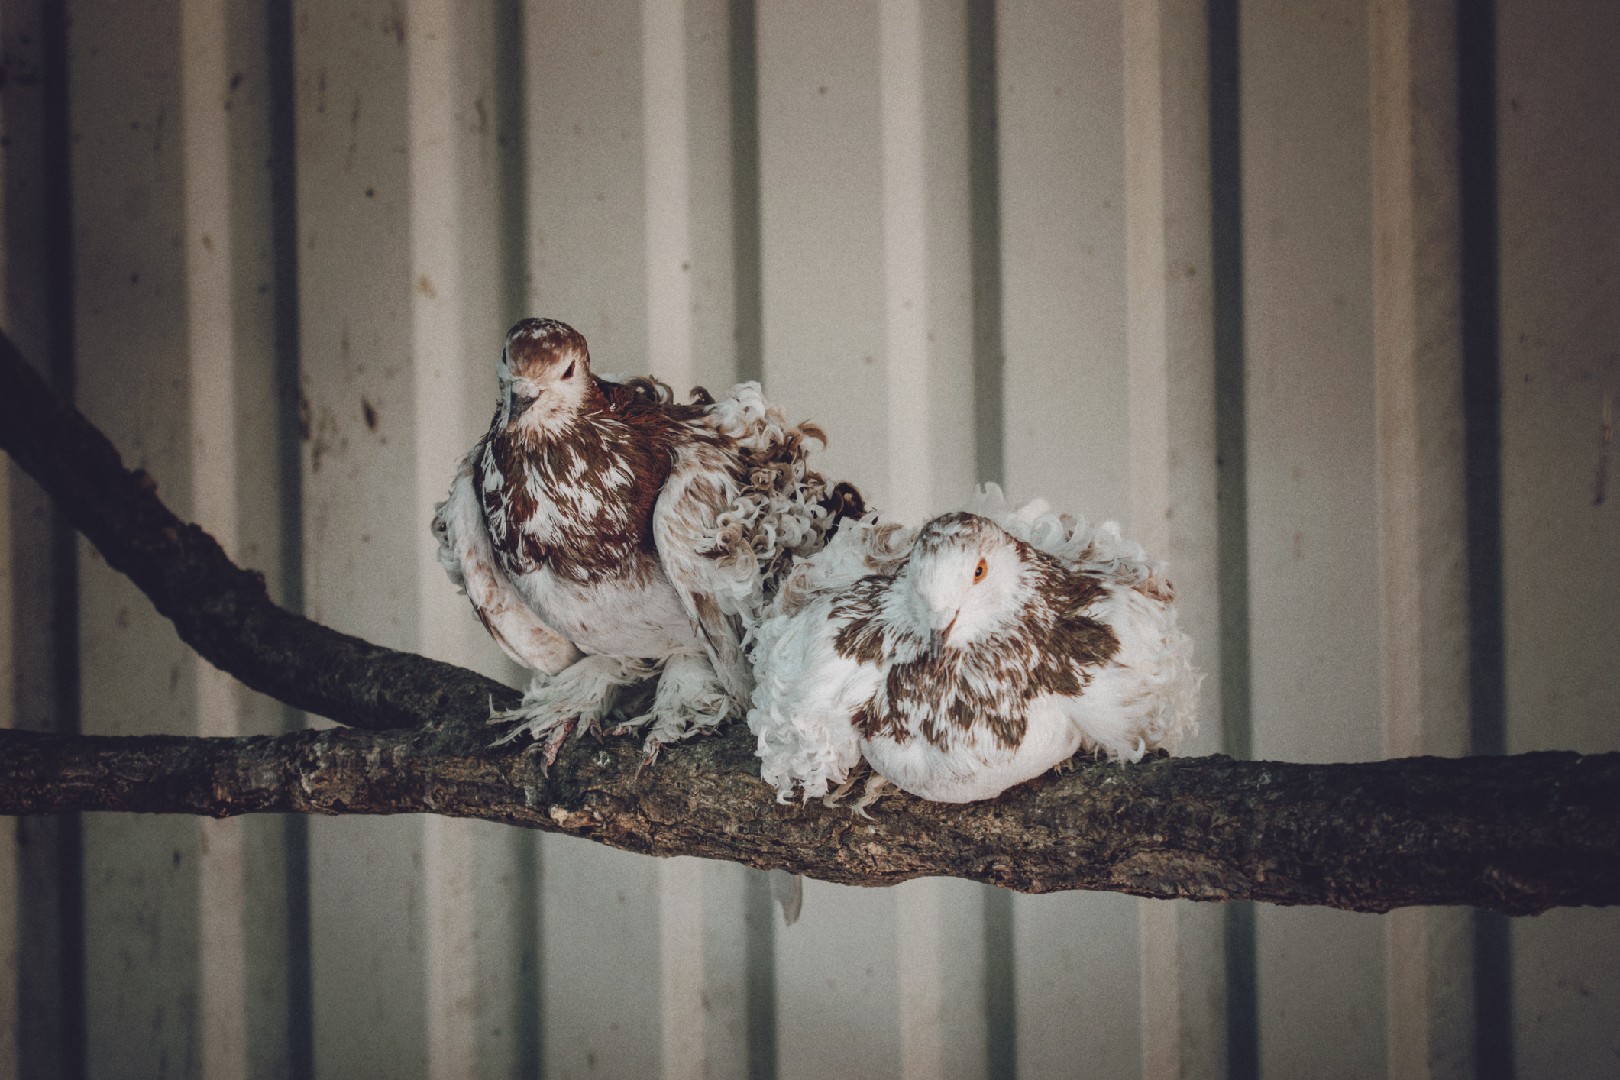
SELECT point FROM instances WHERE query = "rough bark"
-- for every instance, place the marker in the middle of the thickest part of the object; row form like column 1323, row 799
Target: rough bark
column 1516, row 834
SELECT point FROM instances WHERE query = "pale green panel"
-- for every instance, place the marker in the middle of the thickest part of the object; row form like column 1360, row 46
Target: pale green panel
column 140, row 874
column 1060, row 99
column 366, row 947
column 723, row 1003
column 1309, row 364
column 1078, row 985
column 821, row 224
column 1060, row 72
column 838, row 986
column 1560, row 213
column 1312, row 511
column 503, row 1010
column 486, row 959
column 822, row 293
column 1566, row 981
column 586, row 202
column 1321, row 993
column 945, row 1026
column 599, row 960
column 712, row 229
column 244, row 106
column 361, row 522
column 928, row 307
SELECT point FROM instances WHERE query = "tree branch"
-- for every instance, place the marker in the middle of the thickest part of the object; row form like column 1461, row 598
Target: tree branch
column 1515, row 834
column 218, row 608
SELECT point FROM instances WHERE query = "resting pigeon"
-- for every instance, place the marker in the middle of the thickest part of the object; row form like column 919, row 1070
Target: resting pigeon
column 605, row 534
column 966, row 657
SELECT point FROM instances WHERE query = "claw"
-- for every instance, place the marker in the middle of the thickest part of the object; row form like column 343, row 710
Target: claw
column 554, row 742
column 861, row 772
column 876, row 785
column 534, row 750
column 510, row 736
column 687, row 700
column 831, row 799
column 575, row 700
column 650, row 756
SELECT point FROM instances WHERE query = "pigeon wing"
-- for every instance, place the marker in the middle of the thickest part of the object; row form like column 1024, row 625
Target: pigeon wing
column 469, row 560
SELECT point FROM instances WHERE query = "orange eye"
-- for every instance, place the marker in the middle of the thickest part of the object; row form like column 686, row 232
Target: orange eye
column 979, row 571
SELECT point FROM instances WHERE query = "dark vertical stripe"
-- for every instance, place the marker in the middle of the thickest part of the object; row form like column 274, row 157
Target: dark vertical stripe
column 1000, row 986
column 1482, row 395
column 526, row 872
column 984, row 226
column 41, row 606
column 759, row 919
column 759, row 913
column 1482, row 380
column 989, row 361
column 300, row 982
column 1231, row 424
column 512, row 147
column 1242, row 993
column 537, row 871
column 1232, row 522
column 56, row 266
column 289, row 468
column 745, row 205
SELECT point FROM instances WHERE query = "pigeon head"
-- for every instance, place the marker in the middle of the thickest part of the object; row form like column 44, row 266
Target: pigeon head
column 545, row 373
column 964, row 579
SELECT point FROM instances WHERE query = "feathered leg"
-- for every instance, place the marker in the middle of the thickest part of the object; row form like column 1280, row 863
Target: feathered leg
column 582, row 693
column 689, row 700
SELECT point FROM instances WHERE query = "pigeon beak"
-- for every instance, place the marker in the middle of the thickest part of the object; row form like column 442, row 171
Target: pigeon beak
column 520, row 403
column 939, row 639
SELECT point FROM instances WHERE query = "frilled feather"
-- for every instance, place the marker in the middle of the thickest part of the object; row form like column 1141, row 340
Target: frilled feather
column 628, row 525
column 1088, row 656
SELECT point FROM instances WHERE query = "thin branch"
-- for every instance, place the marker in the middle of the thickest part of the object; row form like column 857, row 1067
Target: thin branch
column 1516, row 834
column 219, row 609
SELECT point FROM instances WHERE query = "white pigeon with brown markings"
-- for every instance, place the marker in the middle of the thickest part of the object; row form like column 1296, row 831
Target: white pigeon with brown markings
column 969, row 655
column 606, row 535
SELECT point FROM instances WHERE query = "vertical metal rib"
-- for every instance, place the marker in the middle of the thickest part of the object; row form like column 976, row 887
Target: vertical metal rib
column 1243, row 1044
column 1476, row 63
column 289, row 444
column 745, row 205
column 984, row 223
column 68, row 917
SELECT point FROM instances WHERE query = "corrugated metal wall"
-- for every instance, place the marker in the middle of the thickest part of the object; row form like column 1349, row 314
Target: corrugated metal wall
column 1319, row 299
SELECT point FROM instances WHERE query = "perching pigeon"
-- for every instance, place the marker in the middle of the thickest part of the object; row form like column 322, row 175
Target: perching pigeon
column 598, row 517
column 966, row 657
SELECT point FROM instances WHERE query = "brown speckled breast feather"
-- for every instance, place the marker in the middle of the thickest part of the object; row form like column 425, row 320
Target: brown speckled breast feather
column 1051, row 650
column 623, row 426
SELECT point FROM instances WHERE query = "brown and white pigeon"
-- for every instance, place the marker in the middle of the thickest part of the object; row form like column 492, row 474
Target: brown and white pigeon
column 968, row 656
column 605, row 535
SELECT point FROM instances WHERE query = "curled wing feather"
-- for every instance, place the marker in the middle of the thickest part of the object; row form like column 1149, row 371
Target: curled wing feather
column 715, row 574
